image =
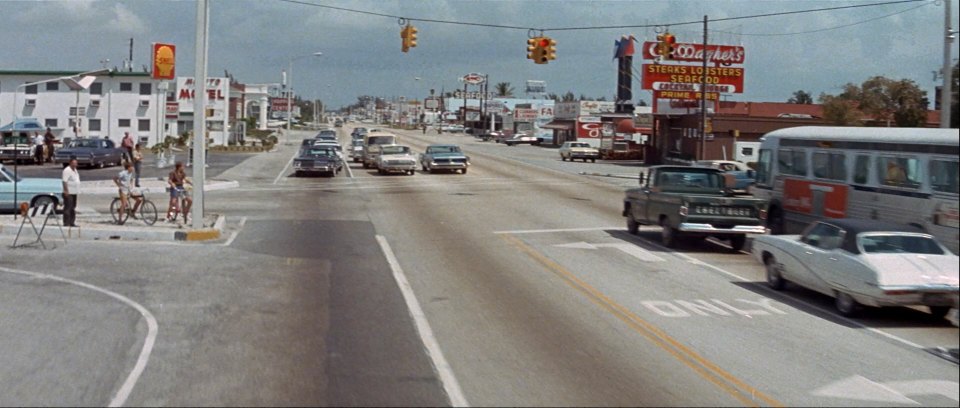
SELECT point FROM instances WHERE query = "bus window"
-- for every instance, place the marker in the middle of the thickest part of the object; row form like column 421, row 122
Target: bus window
column 899, row 171
column 792, row 162
column 838, row 166
column 944, row 176
column 821, row 165
column 861, row 169
column 829, row 166
column 763, row 167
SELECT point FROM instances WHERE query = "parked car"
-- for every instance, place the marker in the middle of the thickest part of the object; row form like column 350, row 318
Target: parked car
column 338, row 123
column 521, row 138
column 35, row 191
column 90, row 152
column 864, row 262
column 318, row 159
column 396, row 159
column 692, row 202
column 743, row 175
column 444, row 157
column 18, row 148
column 490, row 135
column 578, row 150
column 451, row 128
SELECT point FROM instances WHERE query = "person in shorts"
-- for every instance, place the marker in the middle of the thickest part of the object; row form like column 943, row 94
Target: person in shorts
column 176, row 182
column 124, row 182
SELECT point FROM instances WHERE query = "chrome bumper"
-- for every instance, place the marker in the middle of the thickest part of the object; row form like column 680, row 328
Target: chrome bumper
column 710, row 229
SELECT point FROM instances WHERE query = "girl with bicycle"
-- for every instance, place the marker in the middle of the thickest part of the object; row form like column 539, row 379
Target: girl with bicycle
column 178, row 194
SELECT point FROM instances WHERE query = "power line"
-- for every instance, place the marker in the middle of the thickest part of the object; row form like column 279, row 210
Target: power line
column 466, row 23
column 824, row 29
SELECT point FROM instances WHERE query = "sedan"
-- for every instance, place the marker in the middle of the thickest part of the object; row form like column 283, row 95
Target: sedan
column 36, row 191
column 578, row 150
column 521, row 139
column 318, row 159
column 444, row 157
column 863, row 262
column 90, row 152
column 396, row 159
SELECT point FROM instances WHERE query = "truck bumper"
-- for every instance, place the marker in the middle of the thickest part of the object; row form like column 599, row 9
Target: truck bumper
column 710, row 229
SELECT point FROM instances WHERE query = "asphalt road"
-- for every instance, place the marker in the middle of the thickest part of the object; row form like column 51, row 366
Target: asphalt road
column 522, row 269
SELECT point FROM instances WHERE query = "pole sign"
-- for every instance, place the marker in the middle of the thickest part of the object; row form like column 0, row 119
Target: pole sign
column 525, row 114
column 164, row 61
column 685, row 95
column 473, row 79
column 726, row 77
column 692, row 52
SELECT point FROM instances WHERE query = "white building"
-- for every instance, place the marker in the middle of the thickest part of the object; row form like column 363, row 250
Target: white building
column 217, row 109
column 113, row 104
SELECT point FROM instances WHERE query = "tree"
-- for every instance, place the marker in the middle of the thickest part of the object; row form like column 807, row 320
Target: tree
column 553, row 96
column 504, row 90
column 569, row 97
column 885, row 100
column 839, row 111
column 801, row 97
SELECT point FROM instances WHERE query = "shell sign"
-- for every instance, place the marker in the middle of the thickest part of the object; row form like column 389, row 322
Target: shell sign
column 164, row 61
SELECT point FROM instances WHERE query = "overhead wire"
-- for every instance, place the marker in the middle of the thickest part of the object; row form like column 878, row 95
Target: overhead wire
column 823, row 29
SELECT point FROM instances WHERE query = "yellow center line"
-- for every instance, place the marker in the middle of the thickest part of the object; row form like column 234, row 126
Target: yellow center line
column 705, row 368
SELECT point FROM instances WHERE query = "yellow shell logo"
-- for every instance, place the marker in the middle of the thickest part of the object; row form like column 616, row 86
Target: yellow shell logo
column 164, row 61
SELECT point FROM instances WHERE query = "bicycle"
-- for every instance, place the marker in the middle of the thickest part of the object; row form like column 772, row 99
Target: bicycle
column 183, row 194
column 147, row 210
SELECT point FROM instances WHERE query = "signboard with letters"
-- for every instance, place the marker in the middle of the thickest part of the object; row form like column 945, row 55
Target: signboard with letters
column 218, row 93
column 729, row 79
column 525, row 114
column 473, row 78
column 164, row 58
column 692, row 52
column 574, row 110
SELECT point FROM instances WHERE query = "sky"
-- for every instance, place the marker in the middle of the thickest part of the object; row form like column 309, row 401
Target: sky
column 257, row 39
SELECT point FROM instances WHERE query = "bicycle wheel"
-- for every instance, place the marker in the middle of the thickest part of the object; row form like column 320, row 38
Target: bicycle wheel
column 148, row 212
column 119, row 217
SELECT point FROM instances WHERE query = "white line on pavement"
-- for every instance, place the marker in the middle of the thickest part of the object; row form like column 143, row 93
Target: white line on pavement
column 450, row 384
column 233, row 235
column 541, row 231
column 124, row 392
column 284, row 171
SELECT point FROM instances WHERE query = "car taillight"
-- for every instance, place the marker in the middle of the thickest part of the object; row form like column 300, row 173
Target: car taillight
column 763, row 214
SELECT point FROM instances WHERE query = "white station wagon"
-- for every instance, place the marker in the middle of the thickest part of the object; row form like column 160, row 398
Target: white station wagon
column 864, row 262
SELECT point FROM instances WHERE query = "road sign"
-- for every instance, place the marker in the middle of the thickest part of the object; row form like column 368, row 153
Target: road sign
column 692, row 74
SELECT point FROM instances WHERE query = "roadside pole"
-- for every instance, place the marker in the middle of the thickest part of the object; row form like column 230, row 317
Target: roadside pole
column 703, row 97
column 946, row 91
column 200, row 112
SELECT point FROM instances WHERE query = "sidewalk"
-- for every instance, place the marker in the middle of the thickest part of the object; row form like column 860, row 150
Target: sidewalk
column 151, row 187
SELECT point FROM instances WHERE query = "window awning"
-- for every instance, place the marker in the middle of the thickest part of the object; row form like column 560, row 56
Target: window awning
column 560, row 125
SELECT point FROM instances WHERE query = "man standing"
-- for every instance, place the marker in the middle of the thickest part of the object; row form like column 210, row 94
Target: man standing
column 48, row 139
column 38, row 148
column 71, row 187
column 127, row 145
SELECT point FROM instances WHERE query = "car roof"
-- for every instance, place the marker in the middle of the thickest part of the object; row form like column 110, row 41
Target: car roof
column 857, row 225
column 443, row 145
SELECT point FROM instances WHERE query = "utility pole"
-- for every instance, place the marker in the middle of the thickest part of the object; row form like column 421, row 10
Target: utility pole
column 200, row 111
column 946, row 91
column 703, row 97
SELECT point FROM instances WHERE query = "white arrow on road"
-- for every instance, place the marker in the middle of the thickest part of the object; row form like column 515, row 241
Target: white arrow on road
column 863, row 389
column 630, row 249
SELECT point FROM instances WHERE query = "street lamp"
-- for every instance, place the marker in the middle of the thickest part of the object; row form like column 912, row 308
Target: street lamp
column 290, row 90
column 75, row 82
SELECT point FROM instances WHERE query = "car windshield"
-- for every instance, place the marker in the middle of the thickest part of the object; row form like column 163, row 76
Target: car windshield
column 379, row 140
column 579, row 145
column 320, row 152
column 443, row 149
column 85, row 143
column 395, row 150
column 688, row 179
column 899, row 244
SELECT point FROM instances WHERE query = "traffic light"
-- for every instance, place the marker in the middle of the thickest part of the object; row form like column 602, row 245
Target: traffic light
column 668, row 42
column 660, row 50
column 408, row 36
column 549, row 49
column 533, row 49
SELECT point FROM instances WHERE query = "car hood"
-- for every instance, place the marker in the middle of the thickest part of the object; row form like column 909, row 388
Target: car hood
column 448, row 155
column 914, row 269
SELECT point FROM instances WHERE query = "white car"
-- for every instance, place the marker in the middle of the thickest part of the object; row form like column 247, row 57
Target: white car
column 396, row 159
column 864, row 262
column 579, row 150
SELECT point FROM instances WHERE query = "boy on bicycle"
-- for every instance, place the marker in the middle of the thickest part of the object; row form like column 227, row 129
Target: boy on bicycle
column 176, row 181
column 124, row 182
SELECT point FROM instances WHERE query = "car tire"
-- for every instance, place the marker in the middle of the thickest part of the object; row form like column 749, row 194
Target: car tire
column 380, row 171
column 737, row 242
column 563, row 158
column 939, row 312
column 411, row 172
column 847, row 305
column 298, row 173
column 633, row 227
column 463, row 170
column 593, row 160
column 47, row 200
column 668, row 234
column 774, row 279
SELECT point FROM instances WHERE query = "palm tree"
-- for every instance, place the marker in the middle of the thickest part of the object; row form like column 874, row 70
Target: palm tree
column 569, row 97
column 504, row 90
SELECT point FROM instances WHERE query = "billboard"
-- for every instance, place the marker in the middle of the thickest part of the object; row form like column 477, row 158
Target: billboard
column 692, row 52
column 164, row 58
column 731, row 78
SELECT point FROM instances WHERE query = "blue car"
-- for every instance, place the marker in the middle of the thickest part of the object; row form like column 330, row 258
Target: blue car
column 90, row 153
column 743, row 175
column 34, row 191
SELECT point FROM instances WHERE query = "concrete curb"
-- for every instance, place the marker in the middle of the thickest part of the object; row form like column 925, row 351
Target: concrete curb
column 108, row 232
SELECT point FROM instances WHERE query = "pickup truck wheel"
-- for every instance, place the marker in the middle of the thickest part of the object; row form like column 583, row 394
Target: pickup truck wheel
column 593, row 160
column 847, row 305
column 633, row 227
column 774, row 278
column 939, row 311
column 562, row 157
column 737, row 242
column 668, row 234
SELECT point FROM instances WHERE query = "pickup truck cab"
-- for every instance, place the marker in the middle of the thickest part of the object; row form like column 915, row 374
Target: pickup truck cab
column 371, row 146
column 692, row 202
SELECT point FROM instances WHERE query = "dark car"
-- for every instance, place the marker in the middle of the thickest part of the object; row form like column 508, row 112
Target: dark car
column 90, row 152
column 444, row 157
column 327, row 134
column 318, row 159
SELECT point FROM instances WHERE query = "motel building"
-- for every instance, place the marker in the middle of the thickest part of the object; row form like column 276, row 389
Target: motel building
column 103, row 106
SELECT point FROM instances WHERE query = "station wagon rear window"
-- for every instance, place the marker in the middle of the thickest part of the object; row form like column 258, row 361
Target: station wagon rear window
column 899, row 244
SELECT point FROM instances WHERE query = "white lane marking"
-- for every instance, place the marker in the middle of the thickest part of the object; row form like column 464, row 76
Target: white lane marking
column 628, row 248
column 349, row 171
column 124, row 392
column 284, row 171
column 449, row 381
column 543, row 231
column 233, row 235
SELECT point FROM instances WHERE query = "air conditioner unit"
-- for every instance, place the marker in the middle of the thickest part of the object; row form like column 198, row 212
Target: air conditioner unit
column 31, row 102
column 144, row 102
column 94, row 103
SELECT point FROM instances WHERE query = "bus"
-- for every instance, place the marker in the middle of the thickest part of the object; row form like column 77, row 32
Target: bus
column 903, row 175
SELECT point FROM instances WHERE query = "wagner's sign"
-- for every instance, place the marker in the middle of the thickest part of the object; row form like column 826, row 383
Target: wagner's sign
column 728, row 77
column 691, row 52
